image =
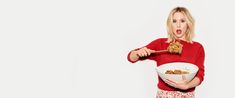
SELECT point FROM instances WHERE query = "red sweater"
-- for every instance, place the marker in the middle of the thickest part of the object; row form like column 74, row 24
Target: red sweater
column 191, row 53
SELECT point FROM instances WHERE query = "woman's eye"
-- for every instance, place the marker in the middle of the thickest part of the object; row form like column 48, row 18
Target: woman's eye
column 182, row 20
column 174, row 21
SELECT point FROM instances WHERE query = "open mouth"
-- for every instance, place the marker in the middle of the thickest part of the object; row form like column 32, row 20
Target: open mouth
column 178, row 31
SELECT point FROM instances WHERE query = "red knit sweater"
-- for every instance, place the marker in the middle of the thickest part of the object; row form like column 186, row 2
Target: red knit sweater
column 191, row 53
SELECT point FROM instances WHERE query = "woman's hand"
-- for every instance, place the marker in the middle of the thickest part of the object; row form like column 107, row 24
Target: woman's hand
column 143, row 52
column 183, row 85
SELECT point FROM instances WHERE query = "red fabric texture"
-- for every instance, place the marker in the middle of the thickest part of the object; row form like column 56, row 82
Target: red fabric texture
column 191, row 53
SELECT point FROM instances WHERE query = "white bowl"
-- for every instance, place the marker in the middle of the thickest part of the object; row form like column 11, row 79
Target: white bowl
column 191, row 68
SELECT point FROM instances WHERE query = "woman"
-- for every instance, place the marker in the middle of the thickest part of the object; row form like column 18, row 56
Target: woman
column 180, row 28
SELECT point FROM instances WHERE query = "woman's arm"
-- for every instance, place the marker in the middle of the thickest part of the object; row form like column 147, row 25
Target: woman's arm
column 145, row 52
column 195, row 82
column 184, row 85
column 142, row 52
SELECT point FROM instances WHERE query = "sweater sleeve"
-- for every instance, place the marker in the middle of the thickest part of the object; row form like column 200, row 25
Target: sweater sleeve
column 200, row 64
column 154, row 45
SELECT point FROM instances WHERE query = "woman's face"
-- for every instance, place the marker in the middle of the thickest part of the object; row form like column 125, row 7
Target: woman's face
column 179, row 25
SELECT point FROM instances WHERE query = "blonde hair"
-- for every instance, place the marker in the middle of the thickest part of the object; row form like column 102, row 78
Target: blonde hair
column 189, row 20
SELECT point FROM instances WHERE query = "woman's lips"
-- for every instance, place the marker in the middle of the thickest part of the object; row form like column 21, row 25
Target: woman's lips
column 178, row 31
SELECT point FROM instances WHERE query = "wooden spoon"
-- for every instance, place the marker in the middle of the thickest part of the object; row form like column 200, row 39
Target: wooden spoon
column 160, row 51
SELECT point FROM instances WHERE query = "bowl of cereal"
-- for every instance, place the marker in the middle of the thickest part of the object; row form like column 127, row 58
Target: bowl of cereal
column 174, row 71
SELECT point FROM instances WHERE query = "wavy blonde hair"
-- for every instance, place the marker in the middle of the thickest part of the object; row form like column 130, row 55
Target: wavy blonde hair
column 189, row 20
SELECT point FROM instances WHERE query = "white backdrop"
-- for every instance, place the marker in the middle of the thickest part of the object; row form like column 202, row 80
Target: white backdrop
column 78, row 49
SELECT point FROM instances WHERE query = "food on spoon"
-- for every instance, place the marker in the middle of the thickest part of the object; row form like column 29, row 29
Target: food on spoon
column 175, row 47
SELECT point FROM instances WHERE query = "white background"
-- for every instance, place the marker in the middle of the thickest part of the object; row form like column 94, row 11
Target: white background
column 78, row 49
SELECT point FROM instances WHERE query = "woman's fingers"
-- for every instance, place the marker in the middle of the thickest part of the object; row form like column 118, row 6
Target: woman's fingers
column 143, row 52
column 179, row 84
column 171, row 83
column 147, row 51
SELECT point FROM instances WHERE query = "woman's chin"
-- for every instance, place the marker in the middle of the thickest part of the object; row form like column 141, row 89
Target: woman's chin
column 179, row 37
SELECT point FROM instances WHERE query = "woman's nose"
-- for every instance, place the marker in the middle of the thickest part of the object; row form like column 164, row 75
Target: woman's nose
column 178, row 24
